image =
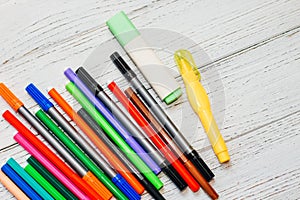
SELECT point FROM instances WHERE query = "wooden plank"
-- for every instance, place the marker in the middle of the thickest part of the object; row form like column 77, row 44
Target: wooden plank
column 252, row 47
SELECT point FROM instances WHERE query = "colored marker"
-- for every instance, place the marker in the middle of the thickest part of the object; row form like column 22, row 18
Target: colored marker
column 172, row 130
column 20, row 182
column 28, row 179
column 157, row 74
column 93, row 124
column 155, row 124
column 111, row 132
column 51, row 179
column 87, row 183
column 199, row 101
column 155, row 138
column 114, row 123
column 12, row 188
column 43, row 182
column 47, row 164
column 93, row 167
column 105, row 150
column 41, row 146
column 117, row 179
column 96, row 89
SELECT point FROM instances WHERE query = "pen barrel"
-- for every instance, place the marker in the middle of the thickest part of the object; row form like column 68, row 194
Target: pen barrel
column 11, row 187
column 201, row 180
column 43, row 182
column 51, row 179
column 214, row 135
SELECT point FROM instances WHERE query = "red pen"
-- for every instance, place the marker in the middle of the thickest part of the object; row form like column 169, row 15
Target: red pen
column 155, row 138
column 82, row 186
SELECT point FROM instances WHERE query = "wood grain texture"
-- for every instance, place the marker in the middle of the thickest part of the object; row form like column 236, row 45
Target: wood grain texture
column 254, row 46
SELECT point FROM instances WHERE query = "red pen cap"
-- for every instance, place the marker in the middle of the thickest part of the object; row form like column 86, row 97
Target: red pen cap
column 10, row 98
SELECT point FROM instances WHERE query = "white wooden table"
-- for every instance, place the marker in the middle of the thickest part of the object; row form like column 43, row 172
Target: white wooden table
column 253, row 45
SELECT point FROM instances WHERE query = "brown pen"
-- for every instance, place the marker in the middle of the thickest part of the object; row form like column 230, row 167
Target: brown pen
column 163, row 134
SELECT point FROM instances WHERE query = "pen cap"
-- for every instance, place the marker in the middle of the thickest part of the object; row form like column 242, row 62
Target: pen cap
column 122, row 28
column 175, row 177
column 9, row 97
column 122, row 66
column 201, row 165
column 86, row 78
column 185, row 62
column 39, row 97
column 121, row 183
column 92, row 180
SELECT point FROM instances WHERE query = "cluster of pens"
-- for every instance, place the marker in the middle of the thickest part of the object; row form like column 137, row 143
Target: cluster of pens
column 127, row 158
column 130, row 159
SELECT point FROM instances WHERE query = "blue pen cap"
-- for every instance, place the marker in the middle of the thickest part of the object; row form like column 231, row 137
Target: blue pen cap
column 122, row 184
column 44, row 103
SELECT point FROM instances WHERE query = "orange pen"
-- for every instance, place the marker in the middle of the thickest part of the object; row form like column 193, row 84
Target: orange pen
column 12, row 188
column 89, row 184
column 114, row 161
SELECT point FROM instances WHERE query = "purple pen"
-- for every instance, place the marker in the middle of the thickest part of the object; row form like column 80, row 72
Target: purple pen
column 115, row 124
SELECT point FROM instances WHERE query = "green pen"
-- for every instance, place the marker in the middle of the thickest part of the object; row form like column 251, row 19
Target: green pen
column 41, row 115
column 132, row 156
column 28, row 179
column 43, row 182
column 52, row 180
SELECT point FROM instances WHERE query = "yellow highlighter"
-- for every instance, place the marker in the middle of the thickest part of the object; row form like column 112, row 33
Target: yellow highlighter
column 200, row 103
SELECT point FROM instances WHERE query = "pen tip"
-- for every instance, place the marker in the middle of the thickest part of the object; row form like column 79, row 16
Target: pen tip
column 114, row 56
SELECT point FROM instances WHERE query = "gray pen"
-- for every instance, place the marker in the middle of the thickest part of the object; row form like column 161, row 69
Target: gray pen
column 162, row 117
column 96, row 89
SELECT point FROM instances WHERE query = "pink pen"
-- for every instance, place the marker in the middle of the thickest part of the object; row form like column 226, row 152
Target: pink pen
column 48, row 165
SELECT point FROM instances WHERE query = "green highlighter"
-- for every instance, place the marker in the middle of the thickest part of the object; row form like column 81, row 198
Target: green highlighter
column 43, row 182
column 117, row 139
column 156, row 73
column 51, row 179
column 28, row 179
column 41, row 115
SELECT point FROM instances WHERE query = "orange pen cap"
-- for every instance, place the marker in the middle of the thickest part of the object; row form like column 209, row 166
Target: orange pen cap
column 10, row 98
column 97, row 185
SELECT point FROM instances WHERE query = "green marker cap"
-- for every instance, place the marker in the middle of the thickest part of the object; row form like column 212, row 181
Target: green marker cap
column 122, row 28
column 173, row 96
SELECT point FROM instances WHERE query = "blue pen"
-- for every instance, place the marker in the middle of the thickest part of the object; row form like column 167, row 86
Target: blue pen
column 20, row 182
column 115, row 178
column 116, row 124
column 28, row 179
